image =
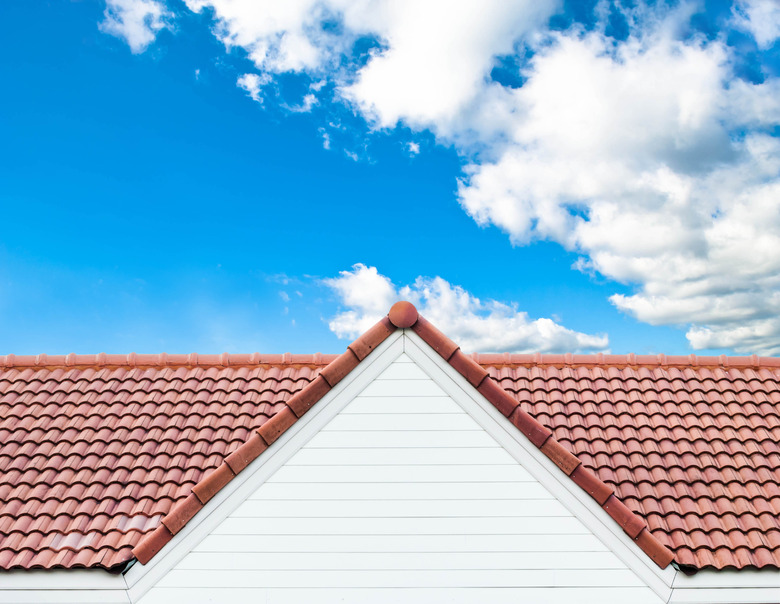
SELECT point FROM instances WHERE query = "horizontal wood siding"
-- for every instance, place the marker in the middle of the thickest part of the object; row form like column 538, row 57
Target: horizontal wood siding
column 401, row 497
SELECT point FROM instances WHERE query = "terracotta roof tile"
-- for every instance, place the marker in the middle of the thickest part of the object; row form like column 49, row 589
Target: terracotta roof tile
column 115, row 468
column 106, row 454
column 691, row 455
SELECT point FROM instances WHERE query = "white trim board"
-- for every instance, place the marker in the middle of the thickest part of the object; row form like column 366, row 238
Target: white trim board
column 539, row 466
column 669, row 584
column 141, row 578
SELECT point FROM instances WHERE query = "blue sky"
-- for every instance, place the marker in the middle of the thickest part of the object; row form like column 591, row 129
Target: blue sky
column 207, row 176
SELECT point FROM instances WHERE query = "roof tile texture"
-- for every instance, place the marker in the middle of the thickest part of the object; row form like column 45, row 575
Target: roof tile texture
column 97, row 449
column 93, row 457
column 692, row 448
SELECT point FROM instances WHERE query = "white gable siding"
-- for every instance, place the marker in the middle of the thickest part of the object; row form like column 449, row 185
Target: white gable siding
column 402, row 496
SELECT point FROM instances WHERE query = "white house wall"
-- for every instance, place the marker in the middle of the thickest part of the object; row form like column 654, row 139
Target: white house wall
column 402, row 496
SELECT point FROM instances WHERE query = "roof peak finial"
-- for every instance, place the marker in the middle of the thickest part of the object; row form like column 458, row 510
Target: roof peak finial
column 403, row 314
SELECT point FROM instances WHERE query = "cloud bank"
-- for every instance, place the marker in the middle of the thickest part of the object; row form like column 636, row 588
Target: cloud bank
column 477, row 326
column 650, row 153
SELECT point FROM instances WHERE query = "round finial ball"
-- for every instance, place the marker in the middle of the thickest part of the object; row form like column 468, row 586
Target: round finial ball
column 403, row 314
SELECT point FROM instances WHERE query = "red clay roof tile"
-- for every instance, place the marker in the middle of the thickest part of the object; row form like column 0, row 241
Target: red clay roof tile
column 301, row 401
column 689, row 446
column 339, row 368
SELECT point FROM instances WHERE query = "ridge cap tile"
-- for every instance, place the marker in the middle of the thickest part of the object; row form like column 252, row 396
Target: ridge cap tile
column 259, row 440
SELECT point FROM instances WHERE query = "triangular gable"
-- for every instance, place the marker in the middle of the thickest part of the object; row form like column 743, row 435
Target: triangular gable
column 404, row 316
column 403, row 494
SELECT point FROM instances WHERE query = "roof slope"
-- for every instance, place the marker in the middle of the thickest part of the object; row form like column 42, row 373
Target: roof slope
column 692, row 446
column 98, row 449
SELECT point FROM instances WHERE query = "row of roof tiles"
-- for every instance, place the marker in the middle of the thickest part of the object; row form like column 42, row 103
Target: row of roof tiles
column 402, row 315
column 493, row 359
column 619, row 465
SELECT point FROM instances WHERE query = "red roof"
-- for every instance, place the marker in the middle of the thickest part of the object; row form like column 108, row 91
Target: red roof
column 106, row 457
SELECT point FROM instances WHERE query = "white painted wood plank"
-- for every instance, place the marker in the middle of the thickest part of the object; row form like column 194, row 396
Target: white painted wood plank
column 726, row 596
column 562, row 487
column 61, row 579
column 389, row 495
column 400, row 474
column 401, row 543
column 403, row 405
column 404, row 358
column 401, row 561
column 559, row 595
column 141, row 578
column 69, row 596
column 335, row 439
column 401, row 526
column 486, row 491
column 745, row 577
column 389, row 421
column 403, row 371
column 402, row 457
column 405, row 578
column 450, row 508
column 403, row 388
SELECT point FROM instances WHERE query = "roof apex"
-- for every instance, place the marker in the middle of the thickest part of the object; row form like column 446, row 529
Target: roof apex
column 404, row 315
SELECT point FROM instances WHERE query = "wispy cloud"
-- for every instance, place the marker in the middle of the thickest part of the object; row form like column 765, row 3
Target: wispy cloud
column 253, row 84
column 484, row 326
column 135, row 21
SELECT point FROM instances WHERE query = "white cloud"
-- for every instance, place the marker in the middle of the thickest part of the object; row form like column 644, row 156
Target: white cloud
column 648, row 156
column 366, row 293
column 305, row 106
column 413, row 148
column 436, row 58
column 761, row 18
column 253, row 84
column 652, row 161
column 475, row 325
column 136, row 21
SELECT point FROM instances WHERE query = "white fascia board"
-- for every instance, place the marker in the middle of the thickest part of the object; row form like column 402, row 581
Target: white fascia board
column 713, row 586
column 140, row 578
column 733, row 595
column 592, row 515
column 62, row 586
column 672, row 585
column 729, row 578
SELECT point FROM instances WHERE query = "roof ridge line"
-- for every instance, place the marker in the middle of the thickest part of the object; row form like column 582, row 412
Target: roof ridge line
column 260, row 439
column 624, row 360
column 101, row 360
column 401, row 316
column 541, row 436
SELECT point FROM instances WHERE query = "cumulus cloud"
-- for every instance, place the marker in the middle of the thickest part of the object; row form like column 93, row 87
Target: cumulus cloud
column 761, row 18
column 661, row 172
column 488, row 326
column 431, row 64
column 136, row 21
column 648, row 155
